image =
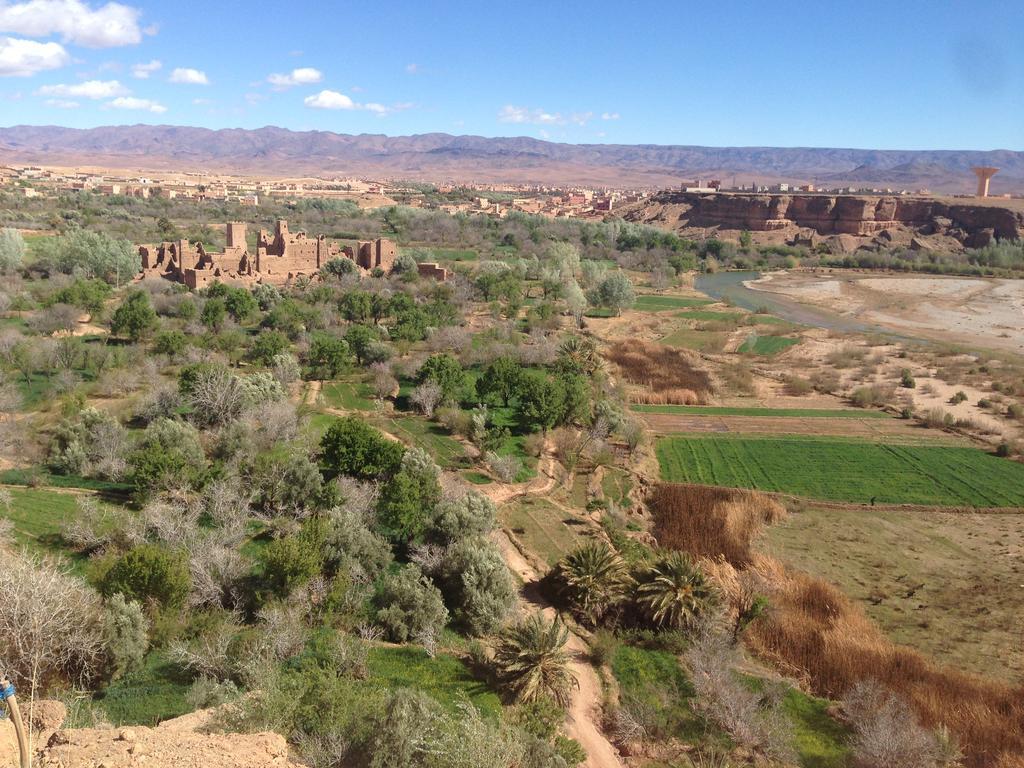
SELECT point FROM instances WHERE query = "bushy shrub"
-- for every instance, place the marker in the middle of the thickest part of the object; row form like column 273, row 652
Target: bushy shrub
column 168, row 455
column 352, row 447
column 477, row 585
column 125, row 635
column 471, row 514
column 151, row 575
column 409, row 606
column 351, row 548
column 291, row 561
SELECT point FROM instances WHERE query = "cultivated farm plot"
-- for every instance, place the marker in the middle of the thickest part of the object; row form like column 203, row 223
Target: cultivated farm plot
column 863, row 424
column 766, row 346
column 543, row 528
column 348, row 395
column 658, row 303
column 911, row 571
column 845, row 470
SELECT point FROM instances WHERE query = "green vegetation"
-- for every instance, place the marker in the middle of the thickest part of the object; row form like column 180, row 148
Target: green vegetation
column 543, row 527
column 348, row 395
column 662, row 303
column 444, row 677
column 845, row 470
column 766, row 346
column 156, row 692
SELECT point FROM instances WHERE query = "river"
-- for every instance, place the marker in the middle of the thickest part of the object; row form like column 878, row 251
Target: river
column 729, row 287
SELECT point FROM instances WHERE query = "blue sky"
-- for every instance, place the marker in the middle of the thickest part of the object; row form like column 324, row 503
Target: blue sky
column 899, row 74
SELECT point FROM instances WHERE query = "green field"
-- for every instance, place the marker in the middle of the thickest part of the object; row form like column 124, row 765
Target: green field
column 657, row 303
column 702, row 341
column 766, row 346
column 348, row 395
column 454, row 254
column 710, row 315
column 155, row 692
column 542, row 527
column 845, row 470
column 446, row 451
column 801, row 413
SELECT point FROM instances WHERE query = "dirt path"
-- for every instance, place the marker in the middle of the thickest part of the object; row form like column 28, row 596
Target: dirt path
column 585, row 710
column 543, row 483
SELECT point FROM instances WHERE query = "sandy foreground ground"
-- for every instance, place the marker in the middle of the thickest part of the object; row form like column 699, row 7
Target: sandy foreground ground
column 980, row 312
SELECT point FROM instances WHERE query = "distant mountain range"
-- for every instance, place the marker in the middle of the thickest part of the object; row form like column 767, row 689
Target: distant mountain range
column 442, row 157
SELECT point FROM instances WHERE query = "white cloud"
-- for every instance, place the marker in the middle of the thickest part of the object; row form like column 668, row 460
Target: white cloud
column 300, row 76
column 189, row 76
column 412, row 69
column 330, row 100
column 62, row 104
column 23, row 58
column 333, row 100
column 106, row 26
column 130, row 102
column 525, row 116
column 90, row 89
column 144, row 70
column 202, row 102
column 609, row 115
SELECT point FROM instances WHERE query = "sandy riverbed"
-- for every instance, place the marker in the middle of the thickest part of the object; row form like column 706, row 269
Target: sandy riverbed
column 980, row 312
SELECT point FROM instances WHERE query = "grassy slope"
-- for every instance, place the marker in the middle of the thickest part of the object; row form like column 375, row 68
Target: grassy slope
column 845, row 470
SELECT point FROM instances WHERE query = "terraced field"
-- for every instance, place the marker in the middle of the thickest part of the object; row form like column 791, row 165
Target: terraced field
column 845, row 470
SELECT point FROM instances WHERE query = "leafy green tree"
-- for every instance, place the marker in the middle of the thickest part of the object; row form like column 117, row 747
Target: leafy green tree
column 541, row 401
column 338, row 267
column 171, row 343
column 410, row 324
column 291, row 561
column 12, row 250
column 287, row 316
column 406, row 504
column 135, row 318
column 614, row 291
column 445, row 371
column 352, row 447
column 149, row 574
column 674, row 593
column 94, row 253
column 168, row 455
column 593, row 578
column 500, row 379
column 360, row 339
column 357, row 306
column 533, row 663
column 267, row 346
column 477, row 585
column 351, row 548
column 328, row 356
column 409, row 606
column 240, row 304
column 214, row 313
column 90, row 295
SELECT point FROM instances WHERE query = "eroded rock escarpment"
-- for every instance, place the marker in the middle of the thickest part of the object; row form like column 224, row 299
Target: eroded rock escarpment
column 969, row 224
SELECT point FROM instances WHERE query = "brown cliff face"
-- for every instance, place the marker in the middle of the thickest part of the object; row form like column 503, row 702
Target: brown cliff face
column 855, row 215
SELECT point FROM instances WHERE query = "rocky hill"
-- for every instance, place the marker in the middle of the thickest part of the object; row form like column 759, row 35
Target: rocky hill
column 183, row 742
column 898, row 220
column 440, row 156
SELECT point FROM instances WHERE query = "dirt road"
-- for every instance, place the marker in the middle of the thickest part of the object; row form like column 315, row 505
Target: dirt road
column 585, row 710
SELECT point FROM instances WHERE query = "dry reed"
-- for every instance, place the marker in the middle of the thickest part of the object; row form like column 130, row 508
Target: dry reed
column 816, row 633
column 668, row 376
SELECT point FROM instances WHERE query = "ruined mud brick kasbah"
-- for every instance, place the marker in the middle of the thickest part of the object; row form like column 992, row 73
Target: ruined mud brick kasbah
column 279, row 258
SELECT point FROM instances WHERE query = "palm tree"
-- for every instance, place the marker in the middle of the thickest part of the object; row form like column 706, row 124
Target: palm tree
column 594, row 578
column 674, row 592
column 532, row 661
column 579, row 354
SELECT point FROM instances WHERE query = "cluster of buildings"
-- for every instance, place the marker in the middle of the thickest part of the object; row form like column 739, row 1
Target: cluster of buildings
column 531, row 199
column 36, row 181
column 277, row 259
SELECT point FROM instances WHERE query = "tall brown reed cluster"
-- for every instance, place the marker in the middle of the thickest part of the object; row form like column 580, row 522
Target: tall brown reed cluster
column 817, row 634
column 666, row 375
